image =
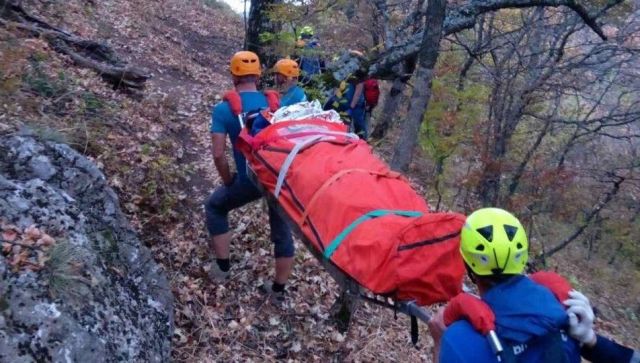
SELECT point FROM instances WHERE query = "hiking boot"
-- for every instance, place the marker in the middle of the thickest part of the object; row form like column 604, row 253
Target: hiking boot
column 275, row 298
column 217, row 275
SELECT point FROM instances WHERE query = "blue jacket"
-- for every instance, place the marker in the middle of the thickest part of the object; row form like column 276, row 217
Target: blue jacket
column 524, row 311
column 310, row 63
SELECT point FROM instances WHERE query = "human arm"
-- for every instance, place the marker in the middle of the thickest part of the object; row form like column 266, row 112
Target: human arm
column 218, row 148
column 436, row 329
column 218, row 131
column 605, row 350
column 357, row 93
column 595, row 348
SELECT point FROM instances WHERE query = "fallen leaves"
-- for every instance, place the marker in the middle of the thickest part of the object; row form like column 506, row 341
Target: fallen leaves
column 25, row 249
column 9, row 235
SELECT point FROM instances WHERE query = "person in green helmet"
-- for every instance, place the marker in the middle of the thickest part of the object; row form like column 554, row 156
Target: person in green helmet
column 529, row 321
column 310, row 62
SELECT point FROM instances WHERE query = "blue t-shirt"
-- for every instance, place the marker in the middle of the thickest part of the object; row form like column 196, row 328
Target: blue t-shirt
column 293, row 95
column 524, row 312
column 223, row 121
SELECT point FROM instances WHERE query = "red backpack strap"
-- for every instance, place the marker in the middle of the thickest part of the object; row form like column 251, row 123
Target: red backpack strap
column 475, row 311
column 234, row 100
column 558, row 285
column 273, row 100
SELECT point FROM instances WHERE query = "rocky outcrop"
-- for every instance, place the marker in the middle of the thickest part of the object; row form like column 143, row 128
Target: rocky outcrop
column 76, row 285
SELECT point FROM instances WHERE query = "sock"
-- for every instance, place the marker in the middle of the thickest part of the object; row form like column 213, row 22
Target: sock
column 224, row 264
column 276, row 287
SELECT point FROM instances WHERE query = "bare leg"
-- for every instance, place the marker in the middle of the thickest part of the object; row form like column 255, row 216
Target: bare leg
column 220, row 245
column 284, row 265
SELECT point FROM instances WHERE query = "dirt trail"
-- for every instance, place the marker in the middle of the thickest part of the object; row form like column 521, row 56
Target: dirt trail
column 234, row 322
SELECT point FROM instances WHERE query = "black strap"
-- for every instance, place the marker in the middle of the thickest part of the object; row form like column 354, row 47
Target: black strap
column 414, row 331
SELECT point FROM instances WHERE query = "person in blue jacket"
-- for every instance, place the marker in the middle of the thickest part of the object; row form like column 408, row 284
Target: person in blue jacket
column 311, row 62
column 286, row 78
column 530, row 322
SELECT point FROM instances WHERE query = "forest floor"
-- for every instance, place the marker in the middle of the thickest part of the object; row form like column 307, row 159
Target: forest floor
column 154, row 149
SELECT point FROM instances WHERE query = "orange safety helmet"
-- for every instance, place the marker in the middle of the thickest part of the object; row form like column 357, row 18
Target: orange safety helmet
column 287, row 67
column 245, row 63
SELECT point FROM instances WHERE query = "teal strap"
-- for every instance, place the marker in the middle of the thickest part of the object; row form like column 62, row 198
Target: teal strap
column 373, row 214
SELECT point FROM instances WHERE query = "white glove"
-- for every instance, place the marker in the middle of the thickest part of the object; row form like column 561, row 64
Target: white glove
column 580, row 318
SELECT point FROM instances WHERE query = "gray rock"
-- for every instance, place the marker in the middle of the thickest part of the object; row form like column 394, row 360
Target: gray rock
column 41, row 167
column 5, row 184
column 104, row 299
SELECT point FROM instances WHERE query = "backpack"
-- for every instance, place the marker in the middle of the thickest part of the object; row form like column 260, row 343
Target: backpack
column 253, row 120
column 481, row 318
column 371, row 92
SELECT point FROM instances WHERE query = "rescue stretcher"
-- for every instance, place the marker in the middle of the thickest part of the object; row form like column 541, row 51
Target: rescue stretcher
column 351, row 293
column 363, row 222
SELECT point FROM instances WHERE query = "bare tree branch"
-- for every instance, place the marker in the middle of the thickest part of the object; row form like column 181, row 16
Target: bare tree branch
column 464, row 17
column 595, row 211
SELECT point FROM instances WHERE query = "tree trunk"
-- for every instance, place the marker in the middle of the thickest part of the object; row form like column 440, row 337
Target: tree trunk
column 85, row 53
column 393, row 100
column 427, row 57
column 389, row 109
column 260, row 22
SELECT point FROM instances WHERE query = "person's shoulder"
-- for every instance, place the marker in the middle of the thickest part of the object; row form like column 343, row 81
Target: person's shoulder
column 297, row 91
column 462, row 343
column 461, row 329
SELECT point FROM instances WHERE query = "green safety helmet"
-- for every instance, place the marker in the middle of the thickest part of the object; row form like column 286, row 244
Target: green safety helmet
column 493, row 242
column 306, row 31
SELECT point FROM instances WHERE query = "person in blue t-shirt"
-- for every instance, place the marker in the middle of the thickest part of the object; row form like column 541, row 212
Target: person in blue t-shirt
column 286, row 77
column 237, row 190
column 530, row 322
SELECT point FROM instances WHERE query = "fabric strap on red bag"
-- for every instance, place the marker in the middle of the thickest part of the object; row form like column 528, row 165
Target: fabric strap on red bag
column 475, row 311
column 335, row 177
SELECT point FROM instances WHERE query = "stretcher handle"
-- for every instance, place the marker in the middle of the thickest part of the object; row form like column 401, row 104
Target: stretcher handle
column 495, row 344
column 412, row 309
